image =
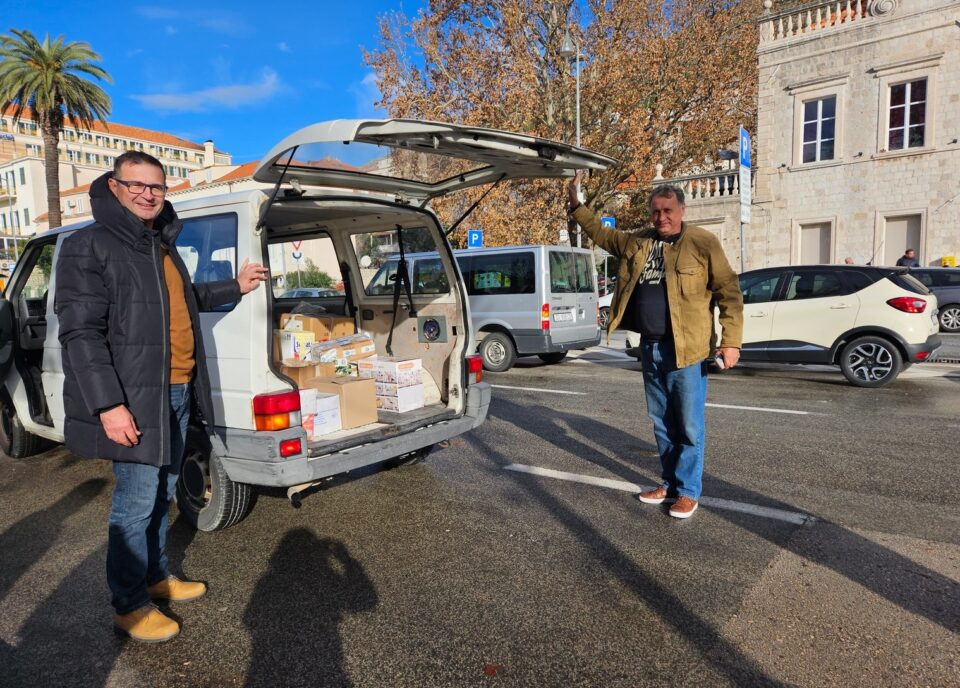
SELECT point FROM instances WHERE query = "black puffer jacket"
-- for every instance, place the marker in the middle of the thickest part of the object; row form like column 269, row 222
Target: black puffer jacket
column 114, row 315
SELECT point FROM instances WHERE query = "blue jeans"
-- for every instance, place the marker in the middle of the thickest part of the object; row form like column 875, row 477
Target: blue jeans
column 137, row 542
column 676, row 400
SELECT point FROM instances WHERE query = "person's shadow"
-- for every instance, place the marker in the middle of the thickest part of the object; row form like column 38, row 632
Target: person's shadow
column 295, row 611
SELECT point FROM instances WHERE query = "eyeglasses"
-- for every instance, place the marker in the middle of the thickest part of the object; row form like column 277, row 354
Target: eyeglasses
column 137, row 188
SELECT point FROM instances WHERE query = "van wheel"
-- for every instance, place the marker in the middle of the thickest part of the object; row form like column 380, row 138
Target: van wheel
column 554, row 357
column 950, row 318
column 498, row 352
column 15, row 441
column 410, row 458
column 604, row 318
column 870, row 362
column 205, row 495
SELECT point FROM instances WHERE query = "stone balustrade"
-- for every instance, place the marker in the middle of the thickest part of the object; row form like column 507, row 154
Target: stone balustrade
column 705, row 185
column 819, row 17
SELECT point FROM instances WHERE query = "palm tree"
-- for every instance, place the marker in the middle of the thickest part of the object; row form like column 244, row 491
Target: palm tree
column 48, row 78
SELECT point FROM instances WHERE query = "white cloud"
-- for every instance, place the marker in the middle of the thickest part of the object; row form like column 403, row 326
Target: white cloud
column 366, row 95
column 221, row 22
column 283, row 47
column 170, row 30
column 215, row 98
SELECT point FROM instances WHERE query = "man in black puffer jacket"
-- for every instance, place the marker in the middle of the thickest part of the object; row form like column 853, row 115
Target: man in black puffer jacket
column 134, row 366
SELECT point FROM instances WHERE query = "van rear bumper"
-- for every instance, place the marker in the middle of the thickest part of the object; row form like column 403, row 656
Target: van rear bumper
column 529, row 344
column 277, row 472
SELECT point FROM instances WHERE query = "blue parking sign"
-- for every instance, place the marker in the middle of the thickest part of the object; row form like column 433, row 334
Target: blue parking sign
column 608, row 221
column 474, row 238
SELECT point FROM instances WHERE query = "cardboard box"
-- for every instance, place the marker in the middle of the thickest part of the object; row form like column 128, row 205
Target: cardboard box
column 300, row 372
column 404, row 372
column 367, row 367
column 327, row 418
column 308, row 401
column 358, row 398
column 323, row 327
column 400, row 399
column 355, row 347
column 292, row 346
column 342, row 353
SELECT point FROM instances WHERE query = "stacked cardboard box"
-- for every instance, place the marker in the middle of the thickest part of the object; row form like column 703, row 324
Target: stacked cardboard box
column 320, row 413
column 399, row 382
column 357, row 398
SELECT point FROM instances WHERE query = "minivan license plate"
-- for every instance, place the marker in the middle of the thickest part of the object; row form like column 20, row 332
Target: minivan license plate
column 563, row 317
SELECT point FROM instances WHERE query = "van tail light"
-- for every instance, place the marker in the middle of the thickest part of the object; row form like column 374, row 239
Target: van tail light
column 908, row 304
column 290, row 447
column 545, row 317
column 474, row 369
column 277, row 411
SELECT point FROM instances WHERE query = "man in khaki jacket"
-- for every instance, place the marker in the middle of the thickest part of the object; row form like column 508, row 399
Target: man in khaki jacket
column 669, row 279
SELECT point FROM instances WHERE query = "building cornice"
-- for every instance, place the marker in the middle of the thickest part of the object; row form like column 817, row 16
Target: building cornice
column 906, row 65
column 817, row 83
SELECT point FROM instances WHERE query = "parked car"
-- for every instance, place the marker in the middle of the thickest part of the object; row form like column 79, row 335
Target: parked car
column 309, row 293
column 257, row 437
column 537, row 300
column 945, row 285
column 870, row 321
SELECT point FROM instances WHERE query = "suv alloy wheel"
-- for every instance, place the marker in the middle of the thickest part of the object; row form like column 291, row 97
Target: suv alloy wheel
column 870, row 362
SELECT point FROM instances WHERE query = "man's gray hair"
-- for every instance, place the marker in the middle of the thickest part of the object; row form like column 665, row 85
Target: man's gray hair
column 666, row 191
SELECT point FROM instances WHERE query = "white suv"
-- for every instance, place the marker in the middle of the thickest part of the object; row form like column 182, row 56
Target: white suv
column 870, row 321
column 318, row 207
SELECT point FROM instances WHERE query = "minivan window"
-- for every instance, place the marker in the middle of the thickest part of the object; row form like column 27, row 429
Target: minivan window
column 429, row 277
column 562, row 277
column 504, row 273
column 208, row 247
column 379, row 252
column 585, row 272
column 304, row 267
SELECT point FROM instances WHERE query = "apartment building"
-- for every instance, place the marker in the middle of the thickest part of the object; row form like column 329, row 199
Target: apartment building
column 83, row 156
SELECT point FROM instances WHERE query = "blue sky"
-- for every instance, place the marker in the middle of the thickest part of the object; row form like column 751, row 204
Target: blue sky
column 244, row 74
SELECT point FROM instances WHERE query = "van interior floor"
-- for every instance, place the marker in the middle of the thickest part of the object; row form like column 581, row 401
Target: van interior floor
column 389, row 423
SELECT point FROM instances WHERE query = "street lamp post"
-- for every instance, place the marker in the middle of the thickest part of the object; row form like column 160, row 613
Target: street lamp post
column 570, row 50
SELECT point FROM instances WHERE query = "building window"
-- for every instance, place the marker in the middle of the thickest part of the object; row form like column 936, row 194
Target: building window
column 26, row 217
column 819, row 129
column 908, row 115
column 23, row 177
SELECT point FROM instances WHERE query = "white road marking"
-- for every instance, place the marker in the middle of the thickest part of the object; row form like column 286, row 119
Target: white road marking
column 794, row 517
column 760, row 408
column 538, row 389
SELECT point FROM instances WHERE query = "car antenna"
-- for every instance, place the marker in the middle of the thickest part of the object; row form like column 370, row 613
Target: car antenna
column 276, row 190
column 475, row 204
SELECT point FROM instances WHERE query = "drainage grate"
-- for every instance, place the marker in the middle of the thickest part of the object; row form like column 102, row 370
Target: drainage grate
column 944, row 360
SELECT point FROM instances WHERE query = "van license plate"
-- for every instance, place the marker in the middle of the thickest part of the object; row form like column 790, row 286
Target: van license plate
column 563, row 317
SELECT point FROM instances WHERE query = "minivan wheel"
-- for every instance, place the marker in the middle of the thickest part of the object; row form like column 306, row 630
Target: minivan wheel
column 498, row 352
column 205, row 495
column 15, row 441
column 950, row 318
column 870, row 362
column 604, row 318
column 554, row 357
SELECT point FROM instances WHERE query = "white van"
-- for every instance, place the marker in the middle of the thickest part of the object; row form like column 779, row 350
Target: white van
column 536, row 300
column 321, row 207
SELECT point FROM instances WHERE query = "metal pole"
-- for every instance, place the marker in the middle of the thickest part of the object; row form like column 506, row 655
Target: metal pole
column 743, row 251
column 577, row 45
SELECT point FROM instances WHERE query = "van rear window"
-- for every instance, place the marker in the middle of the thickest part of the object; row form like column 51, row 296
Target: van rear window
column 504, row 273
column 571, row 273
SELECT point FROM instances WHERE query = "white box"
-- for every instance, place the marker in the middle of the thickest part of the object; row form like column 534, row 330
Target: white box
column 327, row 419
column 367, row 367
column 399, row 371
column 405, row 399
column 308, row 402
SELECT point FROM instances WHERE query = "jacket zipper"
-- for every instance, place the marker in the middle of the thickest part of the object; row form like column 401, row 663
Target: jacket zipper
column 165, row 387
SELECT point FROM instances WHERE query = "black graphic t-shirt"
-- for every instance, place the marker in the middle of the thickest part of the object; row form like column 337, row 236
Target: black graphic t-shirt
column 648, row 302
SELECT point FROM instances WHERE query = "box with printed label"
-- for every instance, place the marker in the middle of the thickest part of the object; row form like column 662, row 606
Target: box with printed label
column 402, row 399
column 358, row 399
column 299, row 372
column 292, row 346
column 400, row 371
column 327, row 418
column 343, row 352
column 367, row 367
column 323, row 326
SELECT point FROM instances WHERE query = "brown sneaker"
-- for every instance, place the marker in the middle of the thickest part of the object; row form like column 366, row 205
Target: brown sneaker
column 683, row 507
column 146, row 625
column 176, row 590
column 653, row 496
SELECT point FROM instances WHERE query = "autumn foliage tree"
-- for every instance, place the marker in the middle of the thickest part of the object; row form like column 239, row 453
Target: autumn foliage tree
column 662, row 82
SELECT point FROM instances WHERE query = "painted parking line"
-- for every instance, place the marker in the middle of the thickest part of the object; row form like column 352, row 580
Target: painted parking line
column 538, row 389
column 765, row 410
column 794, row 517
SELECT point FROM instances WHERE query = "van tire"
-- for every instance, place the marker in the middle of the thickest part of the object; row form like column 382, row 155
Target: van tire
column 498, row 352
column 554, row 357
column 205, row 495
column 870, row 362
column 15, row 440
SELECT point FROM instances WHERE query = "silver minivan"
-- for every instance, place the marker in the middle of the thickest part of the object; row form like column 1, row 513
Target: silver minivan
column 536, row 300
column 317, row 205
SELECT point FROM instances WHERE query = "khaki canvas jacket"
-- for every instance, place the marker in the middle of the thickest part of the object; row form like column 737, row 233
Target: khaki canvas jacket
column 698, row 276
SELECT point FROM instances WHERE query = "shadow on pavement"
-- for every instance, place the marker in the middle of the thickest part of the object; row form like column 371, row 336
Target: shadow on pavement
column 911, row 586
column 296, row 608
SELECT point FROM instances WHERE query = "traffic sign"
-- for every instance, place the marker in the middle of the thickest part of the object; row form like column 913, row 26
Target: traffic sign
column 297, row 255
column 608, row 221
column 745, row 191
column 296, row 245
column 474, row 238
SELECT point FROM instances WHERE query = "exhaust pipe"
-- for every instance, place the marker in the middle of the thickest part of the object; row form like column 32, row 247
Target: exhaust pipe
column 296, row 493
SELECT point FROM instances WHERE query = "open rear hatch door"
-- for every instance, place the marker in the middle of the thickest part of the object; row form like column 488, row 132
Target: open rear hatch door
column 414, row 159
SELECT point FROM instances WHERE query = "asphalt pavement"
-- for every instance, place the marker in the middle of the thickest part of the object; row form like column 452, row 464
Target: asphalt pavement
column 826, row 552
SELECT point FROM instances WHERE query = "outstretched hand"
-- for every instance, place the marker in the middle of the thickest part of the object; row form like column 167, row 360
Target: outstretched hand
column 250, row 276
column 573, row 189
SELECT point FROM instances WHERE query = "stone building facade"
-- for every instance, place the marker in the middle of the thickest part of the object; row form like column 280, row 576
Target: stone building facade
column 858, row 139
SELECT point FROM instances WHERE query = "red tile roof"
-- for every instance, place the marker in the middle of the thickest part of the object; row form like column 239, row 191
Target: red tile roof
column 115, row 129
column 244, row 171
column 75, row 190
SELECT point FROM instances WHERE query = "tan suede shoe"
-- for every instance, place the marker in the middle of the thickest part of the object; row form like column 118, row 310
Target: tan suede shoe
column 176, row 590
column 147, row 625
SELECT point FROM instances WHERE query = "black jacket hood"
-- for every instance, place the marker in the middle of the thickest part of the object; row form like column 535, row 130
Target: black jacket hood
column 109, row 212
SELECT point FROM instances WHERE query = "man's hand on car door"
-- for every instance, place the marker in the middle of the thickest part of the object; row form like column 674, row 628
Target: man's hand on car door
column 120, row 426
